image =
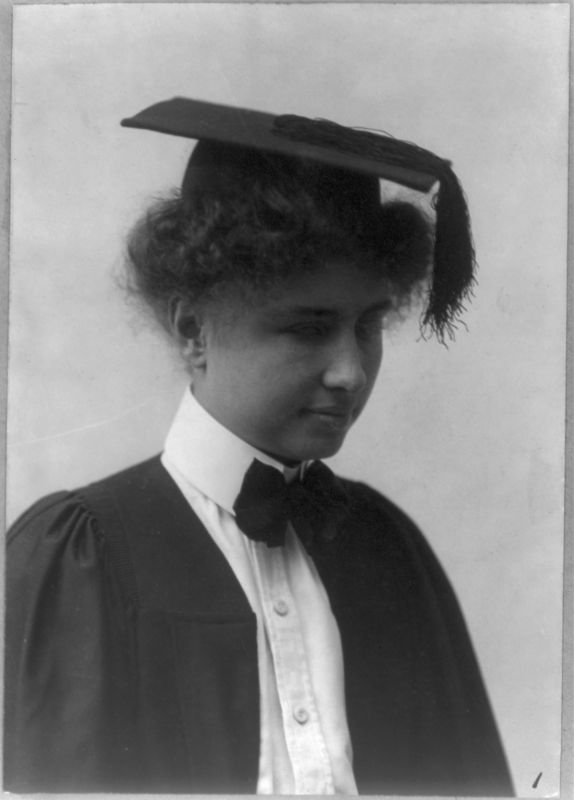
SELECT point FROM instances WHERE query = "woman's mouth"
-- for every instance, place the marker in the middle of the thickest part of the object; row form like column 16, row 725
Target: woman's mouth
column 334, row 417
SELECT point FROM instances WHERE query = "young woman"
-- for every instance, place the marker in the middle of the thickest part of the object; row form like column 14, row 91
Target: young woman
column 230, row 616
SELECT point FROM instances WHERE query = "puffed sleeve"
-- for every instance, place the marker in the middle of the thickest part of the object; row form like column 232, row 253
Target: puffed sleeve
column 68, row 654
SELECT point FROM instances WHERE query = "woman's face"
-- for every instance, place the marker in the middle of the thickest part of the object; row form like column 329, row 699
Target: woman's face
column 291, row 373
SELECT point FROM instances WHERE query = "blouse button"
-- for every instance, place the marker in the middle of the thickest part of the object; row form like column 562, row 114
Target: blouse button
column 281, row 608
column 301, row 715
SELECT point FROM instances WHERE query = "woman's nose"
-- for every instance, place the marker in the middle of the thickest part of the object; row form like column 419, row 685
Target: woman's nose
column 345, row 367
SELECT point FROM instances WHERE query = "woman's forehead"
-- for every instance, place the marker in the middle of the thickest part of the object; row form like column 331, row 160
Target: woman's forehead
column 338, row 286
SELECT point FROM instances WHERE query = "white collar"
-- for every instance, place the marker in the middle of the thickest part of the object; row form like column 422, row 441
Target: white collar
column 210, row 456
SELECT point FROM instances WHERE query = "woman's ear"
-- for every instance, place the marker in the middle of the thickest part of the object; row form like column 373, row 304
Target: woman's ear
column 188, row 329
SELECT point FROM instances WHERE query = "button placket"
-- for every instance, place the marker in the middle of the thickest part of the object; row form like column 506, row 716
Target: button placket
column 303, row 735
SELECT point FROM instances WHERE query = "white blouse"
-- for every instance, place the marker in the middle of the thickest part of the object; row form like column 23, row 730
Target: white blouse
column 305, row 746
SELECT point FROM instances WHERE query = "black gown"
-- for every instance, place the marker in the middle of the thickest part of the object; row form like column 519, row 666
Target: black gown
column 131, row 652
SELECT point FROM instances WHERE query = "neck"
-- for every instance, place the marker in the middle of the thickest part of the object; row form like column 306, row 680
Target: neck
column 287, row 462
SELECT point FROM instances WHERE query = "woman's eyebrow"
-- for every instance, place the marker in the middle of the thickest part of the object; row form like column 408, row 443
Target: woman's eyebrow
column 308, row 311
column 318, row 312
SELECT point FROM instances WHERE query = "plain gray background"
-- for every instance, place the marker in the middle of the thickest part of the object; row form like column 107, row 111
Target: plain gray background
column 469, row 439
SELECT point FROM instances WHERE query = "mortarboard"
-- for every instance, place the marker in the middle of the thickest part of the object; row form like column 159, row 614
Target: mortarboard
column 352, row 150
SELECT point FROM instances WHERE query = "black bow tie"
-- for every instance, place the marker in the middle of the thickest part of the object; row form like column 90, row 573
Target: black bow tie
column 315, row 505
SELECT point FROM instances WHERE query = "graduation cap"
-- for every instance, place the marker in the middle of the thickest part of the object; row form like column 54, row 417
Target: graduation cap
column 223, row 132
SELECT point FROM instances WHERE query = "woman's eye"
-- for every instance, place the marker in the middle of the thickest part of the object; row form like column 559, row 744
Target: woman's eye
column 308, row 331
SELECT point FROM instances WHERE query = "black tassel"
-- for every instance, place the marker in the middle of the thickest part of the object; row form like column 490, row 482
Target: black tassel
column 454, row 271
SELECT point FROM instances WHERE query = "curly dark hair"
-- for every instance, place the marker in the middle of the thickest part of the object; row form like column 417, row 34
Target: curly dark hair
column 255, row 231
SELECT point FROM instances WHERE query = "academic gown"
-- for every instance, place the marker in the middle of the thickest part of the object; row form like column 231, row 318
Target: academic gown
column 131, row 651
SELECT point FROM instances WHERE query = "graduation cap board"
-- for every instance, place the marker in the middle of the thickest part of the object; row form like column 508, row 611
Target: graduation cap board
column 260, row 131
column 352, row 150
